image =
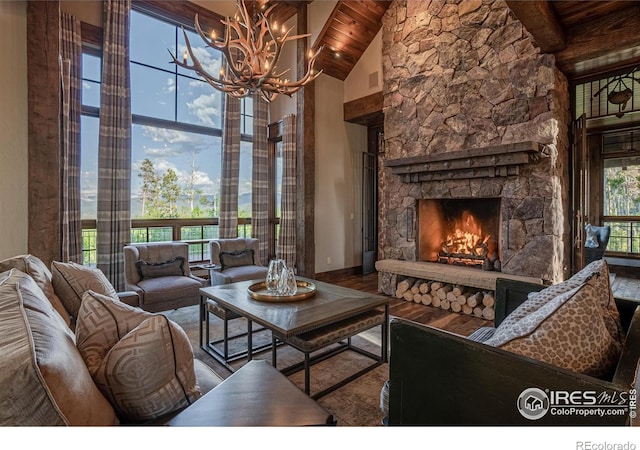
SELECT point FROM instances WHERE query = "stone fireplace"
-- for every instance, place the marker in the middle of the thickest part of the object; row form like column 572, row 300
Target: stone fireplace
column 473, row 111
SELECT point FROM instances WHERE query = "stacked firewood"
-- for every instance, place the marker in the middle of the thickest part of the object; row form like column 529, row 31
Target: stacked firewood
column 450, row 297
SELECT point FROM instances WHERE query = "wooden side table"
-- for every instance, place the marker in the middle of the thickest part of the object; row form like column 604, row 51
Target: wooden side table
column 255, row 395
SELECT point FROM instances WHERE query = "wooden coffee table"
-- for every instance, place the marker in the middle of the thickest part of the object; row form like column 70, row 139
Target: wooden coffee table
column 257, row 395
column 330, row 305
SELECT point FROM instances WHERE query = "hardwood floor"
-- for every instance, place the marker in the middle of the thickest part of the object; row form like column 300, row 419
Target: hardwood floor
column 622, row 287
column 428, row 315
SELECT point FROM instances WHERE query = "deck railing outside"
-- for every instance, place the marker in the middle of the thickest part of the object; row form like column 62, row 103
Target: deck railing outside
column 196, row 232
column 624, row 237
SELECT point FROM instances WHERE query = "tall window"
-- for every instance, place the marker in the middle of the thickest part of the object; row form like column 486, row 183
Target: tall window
column 613, row 146
column 176, row 135
column 621, row 188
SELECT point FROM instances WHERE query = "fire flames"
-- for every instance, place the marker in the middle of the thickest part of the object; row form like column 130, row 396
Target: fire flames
column 466, row 239
column 460, row 232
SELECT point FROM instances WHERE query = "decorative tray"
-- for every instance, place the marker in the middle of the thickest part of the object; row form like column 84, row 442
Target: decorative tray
column 258, row 291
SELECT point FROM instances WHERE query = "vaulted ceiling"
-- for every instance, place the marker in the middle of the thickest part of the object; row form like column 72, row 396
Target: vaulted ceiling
column 587, row 37
column 349, row 30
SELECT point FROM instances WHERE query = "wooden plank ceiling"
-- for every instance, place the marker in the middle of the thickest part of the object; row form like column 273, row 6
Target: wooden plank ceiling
column 345, row 36
column 587, row 37
column 347, row 33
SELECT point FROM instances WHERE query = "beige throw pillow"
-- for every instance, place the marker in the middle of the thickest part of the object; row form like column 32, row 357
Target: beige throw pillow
column 568, row 331
column 72, row 280
column 600, row 282
column 33, row 266
column 142, row 362
column 43, row 377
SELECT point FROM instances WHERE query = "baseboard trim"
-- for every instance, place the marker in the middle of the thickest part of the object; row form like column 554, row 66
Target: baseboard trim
column 335, row 275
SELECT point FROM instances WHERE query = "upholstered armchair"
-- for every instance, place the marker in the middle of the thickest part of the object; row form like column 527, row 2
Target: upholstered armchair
column 159, row 273
column 238, row 258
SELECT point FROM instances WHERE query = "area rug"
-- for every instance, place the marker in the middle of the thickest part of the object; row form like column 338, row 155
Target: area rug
column 355, row 404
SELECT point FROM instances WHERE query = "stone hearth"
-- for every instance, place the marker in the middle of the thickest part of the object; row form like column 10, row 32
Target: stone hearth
column 466, row 79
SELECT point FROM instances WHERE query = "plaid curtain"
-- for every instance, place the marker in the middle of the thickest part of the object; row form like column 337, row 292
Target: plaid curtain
column 287, row 237
column 228, row 226
column 71, row 66
column 260, row 177
column 114, row 149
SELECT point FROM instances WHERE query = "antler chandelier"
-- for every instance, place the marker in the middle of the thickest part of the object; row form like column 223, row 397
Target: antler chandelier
column 251, row 48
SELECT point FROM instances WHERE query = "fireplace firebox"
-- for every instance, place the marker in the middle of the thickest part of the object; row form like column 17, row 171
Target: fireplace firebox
column 461, row 232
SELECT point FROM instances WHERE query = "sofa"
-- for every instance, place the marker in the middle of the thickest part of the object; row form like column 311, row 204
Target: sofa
column 73, row 353
column 553, row 354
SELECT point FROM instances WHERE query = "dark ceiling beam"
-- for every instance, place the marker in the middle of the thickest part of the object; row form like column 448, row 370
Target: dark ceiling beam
column 538, row 18
column 611, row 38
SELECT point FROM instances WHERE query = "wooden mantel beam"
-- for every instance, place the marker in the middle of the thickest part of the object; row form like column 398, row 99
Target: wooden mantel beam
column 538, row 18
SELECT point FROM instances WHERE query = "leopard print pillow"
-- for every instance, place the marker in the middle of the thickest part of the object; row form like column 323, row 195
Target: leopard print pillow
column 600, row 272
column 568, row 331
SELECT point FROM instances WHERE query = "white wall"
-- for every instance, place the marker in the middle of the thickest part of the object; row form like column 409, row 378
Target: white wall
column 339, row 147
column 318, row 12
column 357, row 83
column 283, row 105
column 13, row 130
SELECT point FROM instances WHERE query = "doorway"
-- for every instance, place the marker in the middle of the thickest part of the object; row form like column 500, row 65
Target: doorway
column 375, row 139
column 605, row 163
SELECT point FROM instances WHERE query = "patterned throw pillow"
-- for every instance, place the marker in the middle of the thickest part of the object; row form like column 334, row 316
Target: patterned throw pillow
column 607, row 302
column 44, row 379
column 173, row 267
column 236, row 259
column 33, row 266
column 568, row 331
column 142, row 362
column 71, row 281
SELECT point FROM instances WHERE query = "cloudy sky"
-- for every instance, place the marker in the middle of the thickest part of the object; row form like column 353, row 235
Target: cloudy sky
column 171, row 93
